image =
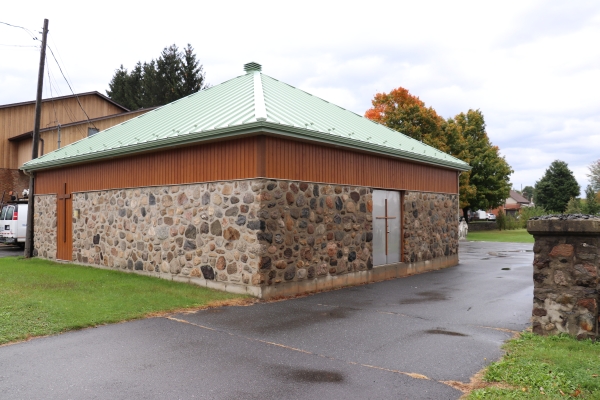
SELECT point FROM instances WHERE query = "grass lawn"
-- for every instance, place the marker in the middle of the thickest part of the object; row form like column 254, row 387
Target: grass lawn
column 515, row 236
column 40, row 297
column 544, row 367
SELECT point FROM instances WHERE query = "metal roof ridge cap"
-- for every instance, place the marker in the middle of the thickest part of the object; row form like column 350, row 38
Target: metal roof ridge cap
column 260, row 110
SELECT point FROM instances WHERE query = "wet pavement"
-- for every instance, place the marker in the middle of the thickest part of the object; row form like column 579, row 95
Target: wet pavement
column 10, row 251
column 399, row 339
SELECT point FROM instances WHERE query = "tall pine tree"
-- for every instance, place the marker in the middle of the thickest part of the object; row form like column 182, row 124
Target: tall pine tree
column 173, row 75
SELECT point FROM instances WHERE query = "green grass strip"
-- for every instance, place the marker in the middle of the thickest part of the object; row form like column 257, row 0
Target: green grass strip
column 545, row 367
column 514, row 236
column 40, row 297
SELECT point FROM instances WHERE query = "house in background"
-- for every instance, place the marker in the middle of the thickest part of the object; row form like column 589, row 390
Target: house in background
column 62, row 120
column 514, row 203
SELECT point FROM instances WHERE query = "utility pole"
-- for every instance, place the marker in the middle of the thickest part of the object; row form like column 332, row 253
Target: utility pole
column 35, row 144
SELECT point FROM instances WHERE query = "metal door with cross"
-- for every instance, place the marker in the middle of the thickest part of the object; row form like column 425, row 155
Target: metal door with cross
column 386, row 227
column 64, row 228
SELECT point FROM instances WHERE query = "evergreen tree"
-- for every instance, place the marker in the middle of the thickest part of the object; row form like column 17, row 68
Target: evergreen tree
column 573, row 206
column 120, row 88
column 558, row 185
column 171, row 76
column 193, row 75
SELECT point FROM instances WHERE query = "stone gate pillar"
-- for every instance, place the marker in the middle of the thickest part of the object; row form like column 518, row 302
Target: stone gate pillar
column 565, row 274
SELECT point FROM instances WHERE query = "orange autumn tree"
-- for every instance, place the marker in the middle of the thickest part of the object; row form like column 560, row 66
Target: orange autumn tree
column 403, row 112
column 487, row 184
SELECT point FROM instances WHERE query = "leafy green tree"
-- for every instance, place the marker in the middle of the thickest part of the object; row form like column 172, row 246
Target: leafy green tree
column 528, row 192
column 594, row 175
column 487, row 184
column 591, row 205
column 558, row 185
column 464, row 137
column 173, row 75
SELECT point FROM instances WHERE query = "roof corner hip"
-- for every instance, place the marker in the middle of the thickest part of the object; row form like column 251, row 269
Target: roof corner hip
column 260, row 110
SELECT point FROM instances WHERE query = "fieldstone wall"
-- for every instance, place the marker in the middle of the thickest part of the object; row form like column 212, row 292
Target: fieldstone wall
column 565, row 274
column 430, row 226
column 482, row 226
column 201, row 231
column 44, row 226
column 311, row 230
column 269, row 238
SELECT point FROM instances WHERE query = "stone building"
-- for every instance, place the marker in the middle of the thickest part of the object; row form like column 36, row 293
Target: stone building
column 250, row 186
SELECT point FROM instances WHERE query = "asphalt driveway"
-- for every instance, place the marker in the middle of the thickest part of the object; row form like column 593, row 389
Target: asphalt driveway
column 399, row 339
column 10, row 251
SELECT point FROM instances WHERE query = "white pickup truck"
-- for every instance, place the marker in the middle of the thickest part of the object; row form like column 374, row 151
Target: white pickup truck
column 13, row 222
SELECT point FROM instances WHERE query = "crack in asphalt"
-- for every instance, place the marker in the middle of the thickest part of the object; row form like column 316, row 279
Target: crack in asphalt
column 413, row 375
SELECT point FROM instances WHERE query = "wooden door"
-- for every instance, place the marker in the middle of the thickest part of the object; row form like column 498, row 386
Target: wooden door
column 64, row 225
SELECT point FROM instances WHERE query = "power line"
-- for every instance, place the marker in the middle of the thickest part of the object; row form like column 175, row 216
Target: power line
column 51, row 39
column 51, row 96
column 77, row 97
column 18, row 45
column 20, row 27
column 69, row 113
column 59, row 67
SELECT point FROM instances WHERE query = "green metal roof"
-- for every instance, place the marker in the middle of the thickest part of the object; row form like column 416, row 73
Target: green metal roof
column 253, row 102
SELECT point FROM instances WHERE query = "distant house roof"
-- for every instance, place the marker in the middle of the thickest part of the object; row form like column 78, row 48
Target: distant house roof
column 248, row 104
column 67, row 97
column 518, row 198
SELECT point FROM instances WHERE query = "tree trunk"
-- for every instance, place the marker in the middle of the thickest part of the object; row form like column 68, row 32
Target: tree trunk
column 466, row 214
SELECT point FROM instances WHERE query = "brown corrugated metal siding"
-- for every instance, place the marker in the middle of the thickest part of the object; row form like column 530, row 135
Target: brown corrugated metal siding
column 249, row 158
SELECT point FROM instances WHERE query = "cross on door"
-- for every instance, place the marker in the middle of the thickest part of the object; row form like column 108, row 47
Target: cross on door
column 387, row 230
column 63, row 197
column 386, row 227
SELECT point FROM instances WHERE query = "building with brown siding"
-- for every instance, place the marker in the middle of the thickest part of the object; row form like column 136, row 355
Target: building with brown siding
column 250, row 186
column 60, row 114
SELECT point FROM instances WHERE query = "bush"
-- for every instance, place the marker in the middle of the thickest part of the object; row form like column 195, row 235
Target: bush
column 573, row 206
column 512, row 223
column 529, row 212
column 501, row 219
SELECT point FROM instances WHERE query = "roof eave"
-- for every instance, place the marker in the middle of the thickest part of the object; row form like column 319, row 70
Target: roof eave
column 254, row 127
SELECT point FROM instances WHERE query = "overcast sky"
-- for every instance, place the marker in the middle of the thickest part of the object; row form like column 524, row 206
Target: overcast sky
column 531, row 67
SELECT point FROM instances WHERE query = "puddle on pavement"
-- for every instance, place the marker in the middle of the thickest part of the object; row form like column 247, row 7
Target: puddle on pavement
column 425, row 297
column 312, row 375
column 486, row 258
column 444, row 332
column 505, row 269
column 497, row 254
column 335, row 313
